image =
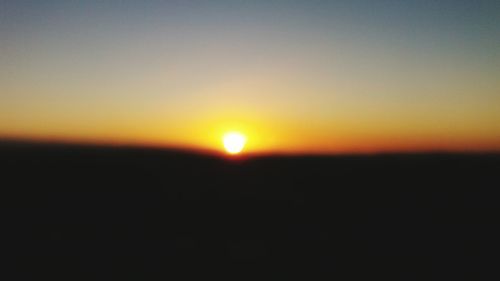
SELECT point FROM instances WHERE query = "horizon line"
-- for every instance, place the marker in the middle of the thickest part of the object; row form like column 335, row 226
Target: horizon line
column 55, row 142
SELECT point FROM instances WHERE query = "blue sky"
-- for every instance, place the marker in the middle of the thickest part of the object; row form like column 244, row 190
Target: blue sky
column 337, row 71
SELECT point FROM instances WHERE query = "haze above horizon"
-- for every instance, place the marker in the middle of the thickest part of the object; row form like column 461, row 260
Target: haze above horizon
column 293, row 76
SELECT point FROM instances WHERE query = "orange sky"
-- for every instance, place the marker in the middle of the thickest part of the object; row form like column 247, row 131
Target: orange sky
column 293, row 77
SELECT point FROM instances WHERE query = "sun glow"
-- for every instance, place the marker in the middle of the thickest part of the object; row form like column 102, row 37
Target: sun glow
column 234, row 142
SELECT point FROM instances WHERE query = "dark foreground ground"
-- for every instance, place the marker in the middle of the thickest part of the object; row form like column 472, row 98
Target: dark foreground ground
column 88, row 213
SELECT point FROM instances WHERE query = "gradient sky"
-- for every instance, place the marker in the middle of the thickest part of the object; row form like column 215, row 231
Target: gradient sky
column 295, row 76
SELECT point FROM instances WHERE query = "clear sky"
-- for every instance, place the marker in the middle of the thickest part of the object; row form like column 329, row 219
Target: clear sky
column 294, row 76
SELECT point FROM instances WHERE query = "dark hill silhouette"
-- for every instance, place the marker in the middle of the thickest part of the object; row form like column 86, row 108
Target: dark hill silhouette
column 104, row 213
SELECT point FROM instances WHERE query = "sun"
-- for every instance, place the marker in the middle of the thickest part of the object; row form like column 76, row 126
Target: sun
column 234, row 142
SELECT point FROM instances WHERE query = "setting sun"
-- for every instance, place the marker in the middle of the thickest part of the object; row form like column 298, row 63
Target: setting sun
column 234, row 142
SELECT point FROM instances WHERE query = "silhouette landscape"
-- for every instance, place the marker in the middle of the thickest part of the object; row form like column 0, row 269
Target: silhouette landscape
column 75, row 211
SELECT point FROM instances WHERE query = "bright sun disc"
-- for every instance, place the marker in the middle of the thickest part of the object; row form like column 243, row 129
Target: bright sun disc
column 234, row 142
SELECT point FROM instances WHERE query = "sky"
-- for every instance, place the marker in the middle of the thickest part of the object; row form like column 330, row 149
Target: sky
column 293, row 76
